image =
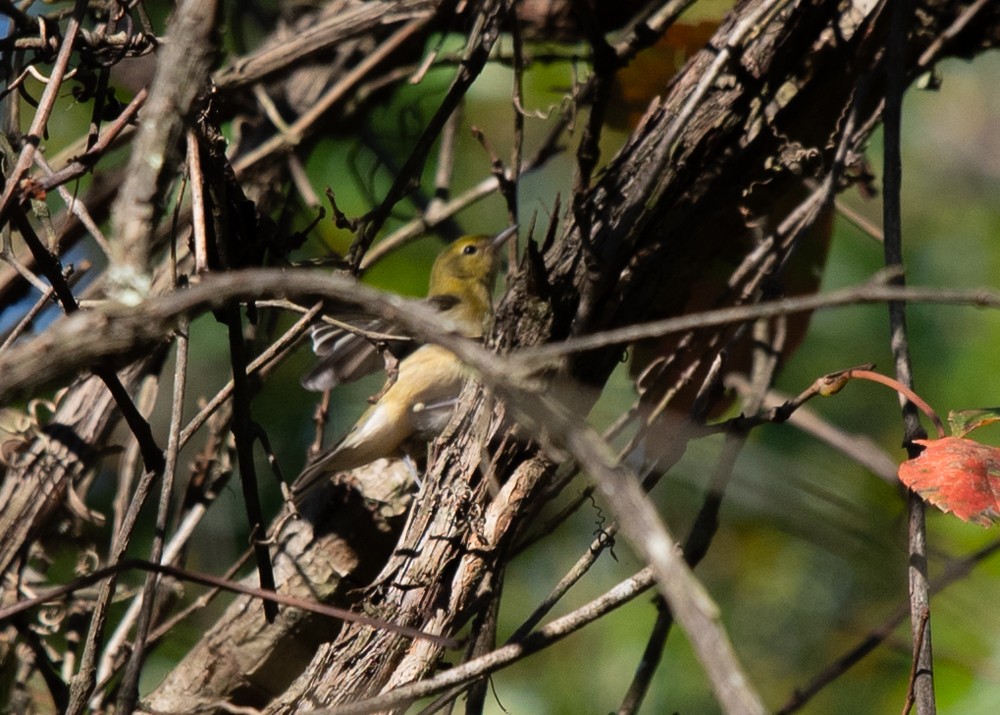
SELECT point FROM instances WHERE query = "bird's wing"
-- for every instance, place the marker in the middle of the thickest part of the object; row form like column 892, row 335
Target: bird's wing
column 443, row 302
column 345, row 356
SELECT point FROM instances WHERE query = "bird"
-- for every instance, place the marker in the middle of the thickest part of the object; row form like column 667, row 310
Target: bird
column 428, row 379
column 352, row 348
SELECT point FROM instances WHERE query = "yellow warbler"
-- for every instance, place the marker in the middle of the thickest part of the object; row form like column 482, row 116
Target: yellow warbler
column 430, row 378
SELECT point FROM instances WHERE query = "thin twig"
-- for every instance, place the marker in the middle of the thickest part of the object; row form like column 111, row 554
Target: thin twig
column 911, row 681
column 45, row 106
column 152, row 455
column 82, row 685
column 505, row 655
column 197, row 182
column 243, row 433
column 109, row 572
column 956, row 571
column 77, row 208
column 930, row 55
column 129, row 688
column 85, row 162
column 428, row 221
column 445, row 166
column 859, row 448
column 896, row 50
column 481, row 40
column 874, row 291
column 298, row 129
column 73, row 276
column 862, row 223
column 195, row 510
column 273, row 352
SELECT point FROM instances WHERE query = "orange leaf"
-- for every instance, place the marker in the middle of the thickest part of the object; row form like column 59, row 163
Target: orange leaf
column 956, row 475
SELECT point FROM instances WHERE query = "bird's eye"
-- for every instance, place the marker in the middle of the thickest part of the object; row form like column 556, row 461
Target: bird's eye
column 470, row 249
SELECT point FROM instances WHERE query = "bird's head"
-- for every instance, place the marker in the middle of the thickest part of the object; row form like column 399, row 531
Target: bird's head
column 469, row 262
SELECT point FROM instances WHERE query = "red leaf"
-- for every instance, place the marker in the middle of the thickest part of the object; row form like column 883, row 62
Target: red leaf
column 957, row 475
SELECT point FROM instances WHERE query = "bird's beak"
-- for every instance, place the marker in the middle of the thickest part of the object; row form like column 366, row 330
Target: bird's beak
column 502, row 237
